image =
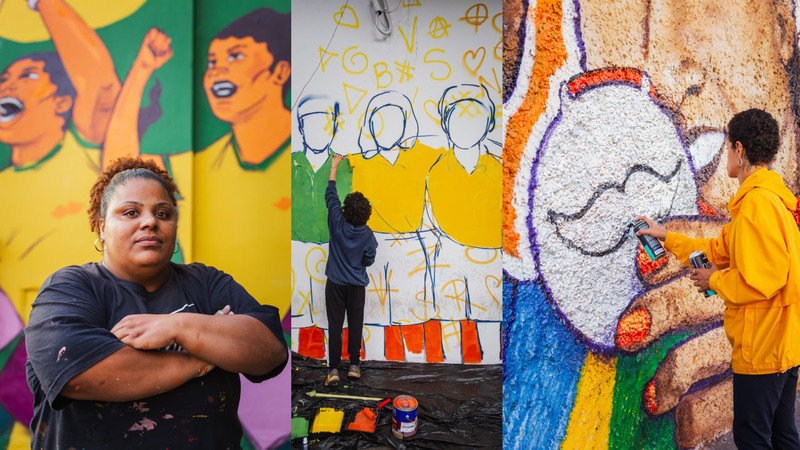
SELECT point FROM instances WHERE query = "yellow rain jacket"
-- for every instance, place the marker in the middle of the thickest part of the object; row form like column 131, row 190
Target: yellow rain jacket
column 759, row 280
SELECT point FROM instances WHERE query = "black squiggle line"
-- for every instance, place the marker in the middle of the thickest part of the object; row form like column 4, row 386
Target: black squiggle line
column 556, row 218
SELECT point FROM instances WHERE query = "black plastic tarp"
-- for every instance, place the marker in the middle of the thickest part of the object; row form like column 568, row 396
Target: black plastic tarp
column 460, row 406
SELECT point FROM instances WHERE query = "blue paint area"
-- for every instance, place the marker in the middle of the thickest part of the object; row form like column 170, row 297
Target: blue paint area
column 543, row 363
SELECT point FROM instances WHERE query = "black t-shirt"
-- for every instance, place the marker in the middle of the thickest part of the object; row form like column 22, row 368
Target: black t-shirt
column 68, row 332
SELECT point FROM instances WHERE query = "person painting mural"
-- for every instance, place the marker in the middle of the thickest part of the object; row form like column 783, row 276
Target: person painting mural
column 756, row 271
column 136, row 351
column 352, row 249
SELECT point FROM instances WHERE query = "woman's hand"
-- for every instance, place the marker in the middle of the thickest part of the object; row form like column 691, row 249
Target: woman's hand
column 147, row 331
column 336, row 160
column 702, row 276
column 655, row 230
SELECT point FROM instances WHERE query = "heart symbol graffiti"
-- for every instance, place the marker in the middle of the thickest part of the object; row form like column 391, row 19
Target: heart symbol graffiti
column 435, row 115
column 351, row 22
column 474, row 60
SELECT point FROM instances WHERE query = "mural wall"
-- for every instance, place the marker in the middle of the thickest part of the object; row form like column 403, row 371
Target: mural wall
column 412, row 97
column 615, row 110
column 83, row 82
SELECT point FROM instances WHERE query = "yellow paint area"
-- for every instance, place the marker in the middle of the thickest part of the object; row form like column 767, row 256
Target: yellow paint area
column 590, row 420
column 329, row 420
column 21, row 24
column 20, row 438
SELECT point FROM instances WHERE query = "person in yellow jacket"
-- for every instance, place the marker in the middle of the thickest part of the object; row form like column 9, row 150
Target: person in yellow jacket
column 756, row 270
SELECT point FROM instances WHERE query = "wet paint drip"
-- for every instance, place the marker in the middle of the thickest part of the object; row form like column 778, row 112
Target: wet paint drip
column 404, row 416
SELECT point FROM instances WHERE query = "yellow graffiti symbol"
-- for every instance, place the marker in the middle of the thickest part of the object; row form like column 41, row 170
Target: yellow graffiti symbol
column 497, row 284
column 495, row 87
column 497, row 27
column 375, row 114
column 405, row 71
column 322, row 59
column 353, row 62
column 413, row 101
column 350, row 93
column 352, row 22
column 425, row 302
column 408, row 4
column 410, row 47
column 474, row 60
column 396, row 239
column 498, row 50
column 330, row 113
column 465, row 107
column 434, row 117
column 315, row 270
column 306, row 301
column 426, row 60
column 468, row 249
column 421, row 266
column 367, row 336
column 456, row 332
column 476, row 15
column 291, row 273
column 438, row 28
column 383, row 72
column 381, row 291
column 458, row 295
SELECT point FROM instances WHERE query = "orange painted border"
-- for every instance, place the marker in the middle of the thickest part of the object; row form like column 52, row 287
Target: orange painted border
column 311, row 342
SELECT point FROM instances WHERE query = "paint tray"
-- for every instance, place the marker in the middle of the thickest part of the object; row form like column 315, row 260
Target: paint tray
column 354, row 420
column 327, row 420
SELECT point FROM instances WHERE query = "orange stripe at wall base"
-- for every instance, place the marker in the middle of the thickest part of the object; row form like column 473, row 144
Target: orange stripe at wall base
column 414, row 338
column 433, row 342
column 311, row 342
column 393, row 343
column 470, row 345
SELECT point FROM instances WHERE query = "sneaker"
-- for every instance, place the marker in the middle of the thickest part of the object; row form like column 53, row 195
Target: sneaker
column 333, row 377
column 354, row 372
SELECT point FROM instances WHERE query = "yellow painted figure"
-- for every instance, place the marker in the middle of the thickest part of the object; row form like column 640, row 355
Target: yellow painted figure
column 395, row 190
column 49, row 230
column 467, row 206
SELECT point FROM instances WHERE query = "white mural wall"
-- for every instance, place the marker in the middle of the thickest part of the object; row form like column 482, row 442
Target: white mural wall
column 413, row 98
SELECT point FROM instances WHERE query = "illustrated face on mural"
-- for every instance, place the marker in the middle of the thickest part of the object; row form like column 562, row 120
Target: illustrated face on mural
column 317, row 121
column 387, row 124
column 467, row 115
column 589, row 188
column 29, row 104
column 707, row 60
column 238, row 78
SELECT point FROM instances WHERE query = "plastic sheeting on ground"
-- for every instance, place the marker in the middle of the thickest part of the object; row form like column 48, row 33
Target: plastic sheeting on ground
column 460, row 405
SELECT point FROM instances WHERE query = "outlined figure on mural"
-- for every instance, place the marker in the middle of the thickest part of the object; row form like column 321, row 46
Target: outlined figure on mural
column 393, row 163
column 673, row 355
column 318, row 123
column 467, row 117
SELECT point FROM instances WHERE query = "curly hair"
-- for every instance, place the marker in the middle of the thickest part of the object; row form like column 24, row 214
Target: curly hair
column 116, row 174
column 758, row 132
column 356, row 209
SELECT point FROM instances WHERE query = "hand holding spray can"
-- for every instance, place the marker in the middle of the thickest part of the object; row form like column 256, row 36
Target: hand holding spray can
column 651, row 245
column 699, row 260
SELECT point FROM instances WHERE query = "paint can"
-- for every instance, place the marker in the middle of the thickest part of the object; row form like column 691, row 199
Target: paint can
column 699, row 260
column 404, row 416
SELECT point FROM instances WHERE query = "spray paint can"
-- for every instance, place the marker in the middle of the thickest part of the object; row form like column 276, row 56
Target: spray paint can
column 404, row 416
column 699, row 260
column 651, row 245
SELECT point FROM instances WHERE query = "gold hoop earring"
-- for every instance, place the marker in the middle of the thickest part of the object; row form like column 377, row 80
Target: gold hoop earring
column 739, row 160
column 101, row 245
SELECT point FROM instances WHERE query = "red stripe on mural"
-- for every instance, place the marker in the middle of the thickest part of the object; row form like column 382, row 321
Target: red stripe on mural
column 345, row 337
column 470, row 346
column 393, row 344
column 311, row 343
column 433, row 342
column 414, row 338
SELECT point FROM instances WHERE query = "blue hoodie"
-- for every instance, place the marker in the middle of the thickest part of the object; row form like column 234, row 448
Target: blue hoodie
column 351, row 249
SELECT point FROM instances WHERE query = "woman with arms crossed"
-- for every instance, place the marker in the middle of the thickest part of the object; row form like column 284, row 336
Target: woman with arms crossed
column 756, row 270
column 136, row 351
